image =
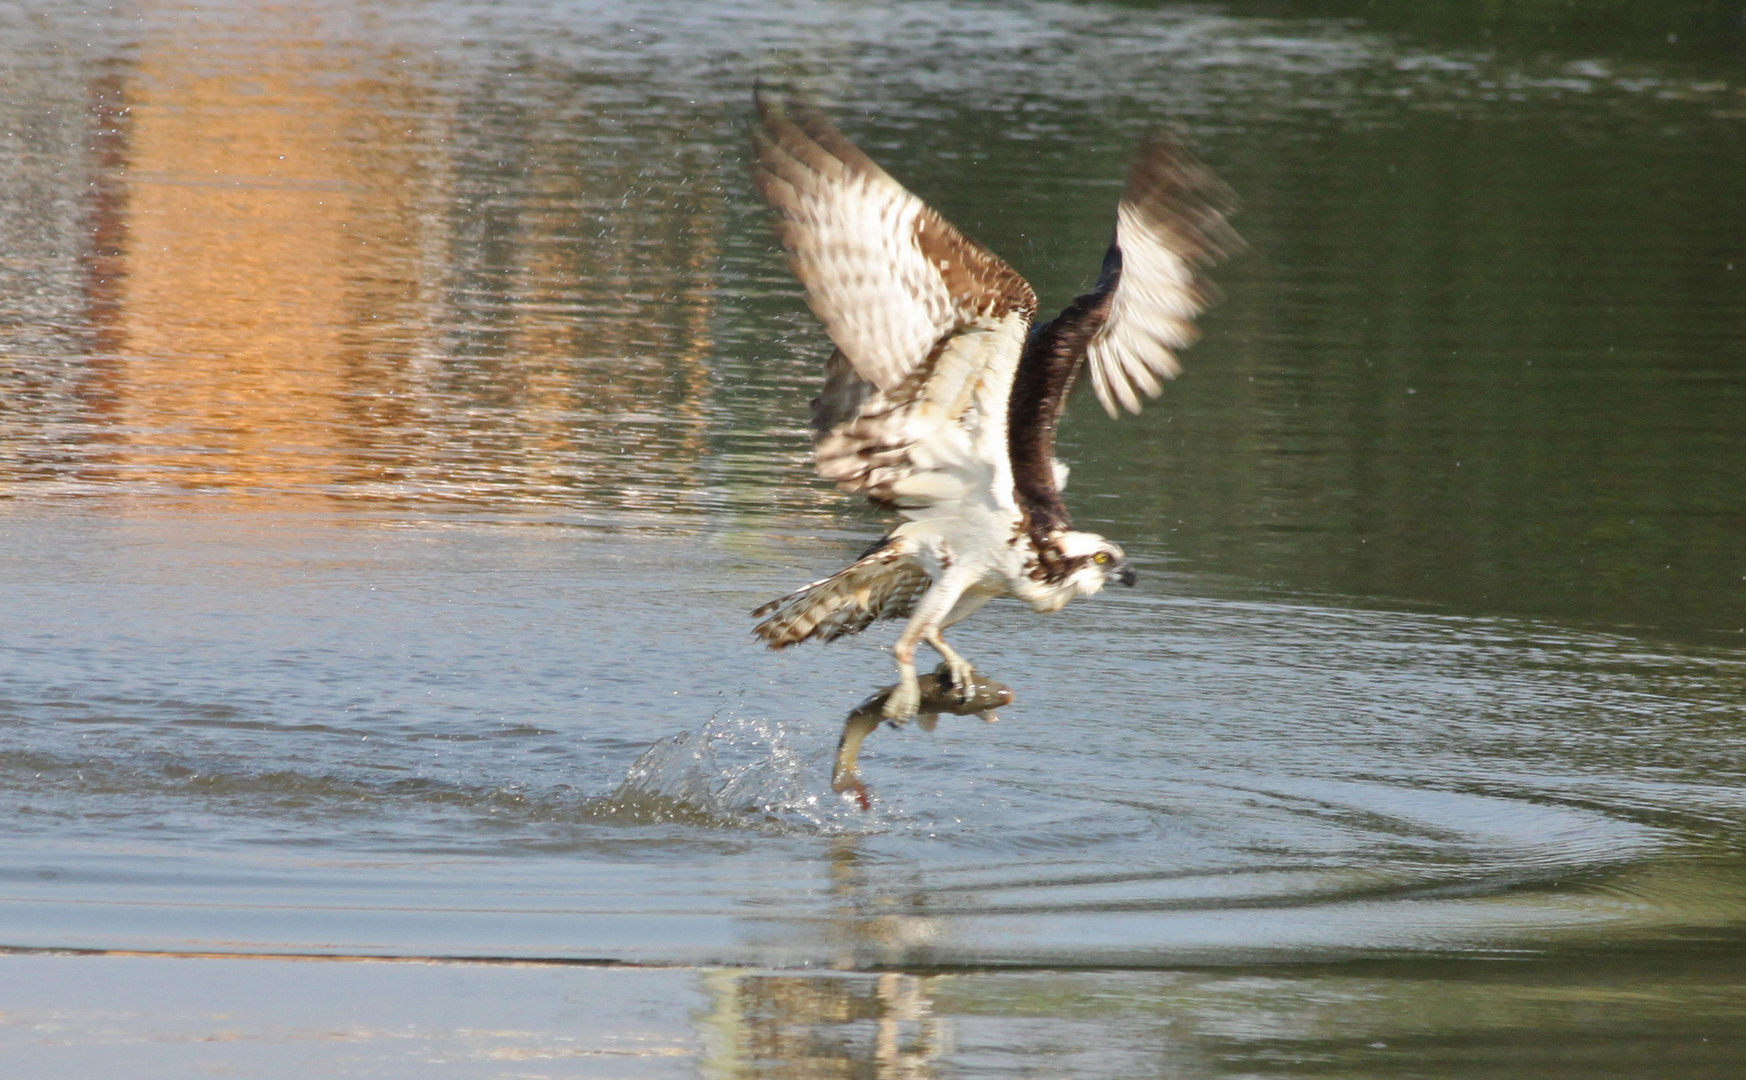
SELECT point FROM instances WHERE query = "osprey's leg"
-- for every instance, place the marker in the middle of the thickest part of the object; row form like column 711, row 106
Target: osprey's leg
column 905, row 699
column 924, row 625
column 958, row 669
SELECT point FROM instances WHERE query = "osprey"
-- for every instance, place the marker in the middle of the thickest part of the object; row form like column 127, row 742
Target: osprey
column 941, row 399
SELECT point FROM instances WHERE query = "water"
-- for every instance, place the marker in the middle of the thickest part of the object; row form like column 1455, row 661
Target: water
column 401, row 408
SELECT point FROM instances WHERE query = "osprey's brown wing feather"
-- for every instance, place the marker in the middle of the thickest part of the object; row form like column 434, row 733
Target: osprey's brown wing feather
column 887, row 276
column 883, row 584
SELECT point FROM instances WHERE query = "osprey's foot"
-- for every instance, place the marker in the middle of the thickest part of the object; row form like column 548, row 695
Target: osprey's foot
column 905, row 700
column 960, row 674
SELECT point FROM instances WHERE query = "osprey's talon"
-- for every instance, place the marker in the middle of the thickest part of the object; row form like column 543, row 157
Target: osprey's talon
column 961, row 674
column 904, row 702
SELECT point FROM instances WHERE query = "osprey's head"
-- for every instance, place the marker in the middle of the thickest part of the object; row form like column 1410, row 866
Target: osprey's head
column 1092, row 562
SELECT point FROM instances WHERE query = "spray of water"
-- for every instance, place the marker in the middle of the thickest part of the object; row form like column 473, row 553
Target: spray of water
column 736, row 772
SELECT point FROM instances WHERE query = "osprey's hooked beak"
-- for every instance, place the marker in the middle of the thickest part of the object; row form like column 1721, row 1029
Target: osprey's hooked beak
column 1125, row 574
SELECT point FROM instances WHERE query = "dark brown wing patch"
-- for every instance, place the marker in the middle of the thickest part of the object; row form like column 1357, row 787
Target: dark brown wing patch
column 980, row 284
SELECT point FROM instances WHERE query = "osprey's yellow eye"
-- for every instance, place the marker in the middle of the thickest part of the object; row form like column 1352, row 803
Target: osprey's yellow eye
column 1100, row 558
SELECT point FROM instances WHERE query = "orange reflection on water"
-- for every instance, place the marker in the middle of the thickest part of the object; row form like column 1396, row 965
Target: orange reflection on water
column 239, row 266
column 288, row 292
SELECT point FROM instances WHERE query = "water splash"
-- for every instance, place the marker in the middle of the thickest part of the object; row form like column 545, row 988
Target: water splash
column 734, row 772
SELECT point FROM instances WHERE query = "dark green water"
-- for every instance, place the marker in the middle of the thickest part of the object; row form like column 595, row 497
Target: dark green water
column 401, row 406
column 1483, row 354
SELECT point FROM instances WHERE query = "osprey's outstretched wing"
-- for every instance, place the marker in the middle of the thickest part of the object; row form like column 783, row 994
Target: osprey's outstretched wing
column 1128, row 328
column 928, row 325
column 1170, row 223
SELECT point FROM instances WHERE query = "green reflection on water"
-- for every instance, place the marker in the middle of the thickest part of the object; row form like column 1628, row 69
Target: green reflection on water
column 1498, row 367
column 1486, row 355
column 1664, row 28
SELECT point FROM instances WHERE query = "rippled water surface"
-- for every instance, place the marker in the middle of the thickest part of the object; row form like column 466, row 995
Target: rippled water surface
column 402, row 406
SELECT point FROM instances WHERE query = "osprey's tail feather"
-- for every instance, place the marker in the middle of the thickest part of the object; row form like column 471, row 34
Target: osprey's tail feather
column 883, row 584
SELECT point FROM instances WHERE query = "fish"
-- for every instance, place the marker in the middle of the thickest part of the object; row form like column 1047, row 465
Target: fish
column 980, row 698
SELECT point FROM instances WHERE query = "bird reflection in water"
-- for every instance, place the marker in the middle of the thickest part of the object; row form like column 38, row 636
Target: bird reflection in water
column 817, row 1028
column 853, row 1024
